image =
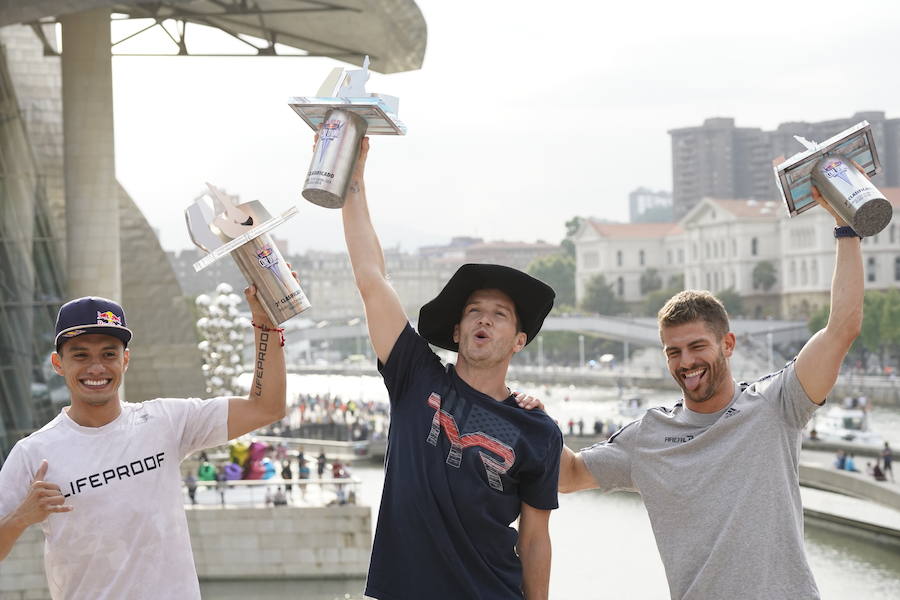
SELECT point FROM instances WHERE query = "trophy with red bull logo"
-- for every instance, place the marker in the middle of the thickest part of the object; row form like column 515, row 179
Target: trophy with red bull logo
column 220, row 226
column 832, row 167
column 342, row 113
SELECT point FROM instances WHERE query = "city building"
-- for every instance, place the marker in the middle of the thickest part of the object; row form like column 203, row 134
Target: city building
column 719, row 160
column 622, row 252
column 327, row 277
column 781, row 267
column 724, row 242
column 512, row 254
column 806, row 251
column 650, row 206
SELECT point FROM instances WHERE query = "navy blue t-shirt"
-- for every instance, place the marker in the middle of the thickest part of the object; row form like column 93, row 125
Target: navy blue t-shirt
column 458, row 466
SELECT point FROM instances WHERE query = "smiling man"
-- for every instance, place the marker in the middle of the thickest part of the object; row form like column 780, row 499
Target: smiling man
column 103, row 478
column 464, row 459
column 718, row 472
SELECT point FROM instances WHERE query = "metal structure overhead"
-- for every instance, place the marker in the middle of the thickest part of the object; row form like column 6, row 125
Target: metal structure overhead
column 391, row 32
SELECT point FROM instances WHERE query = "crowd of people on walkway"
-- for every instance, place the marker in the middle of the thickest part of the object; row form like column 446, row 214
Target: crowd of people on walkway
column 880, row 470
column 297, row 468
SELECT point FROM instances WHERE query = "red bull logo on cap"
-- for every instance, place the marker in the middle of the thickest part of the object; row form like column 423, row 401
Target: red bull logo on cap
column 108, row 318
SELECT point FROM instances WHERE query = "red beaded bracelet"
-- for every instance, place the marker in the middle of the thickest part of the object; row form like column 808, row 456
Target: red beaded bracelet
column 280, row 330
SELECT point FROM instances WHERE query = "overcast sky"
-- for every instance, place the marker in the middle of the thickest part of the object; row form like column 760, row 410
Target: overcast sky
column 523, row 115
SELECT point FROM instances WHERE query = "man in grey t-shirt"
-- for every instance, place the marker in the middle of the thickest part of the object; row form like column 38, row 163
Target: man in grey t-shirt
column 718, row 473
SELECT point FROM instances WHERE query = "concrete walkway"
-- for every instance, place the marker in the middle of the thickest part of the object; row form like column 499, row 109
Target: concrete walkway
column 849, row 502
column 817, row 471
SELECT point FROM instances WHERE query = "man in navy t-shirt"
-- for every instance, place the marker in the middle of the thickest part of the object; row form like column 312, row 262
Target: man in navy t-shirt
column 464, row 460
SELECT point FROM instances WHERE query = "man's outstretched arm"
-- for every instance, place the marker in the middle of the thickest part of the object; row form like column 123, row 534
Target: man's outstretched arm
column 819, row 362
column 384, row 312
column 574, row 475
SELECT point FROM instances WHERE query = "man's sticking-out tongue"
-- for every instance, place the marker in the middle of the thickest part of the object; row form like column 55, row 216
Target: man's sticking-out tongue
column 692, row 379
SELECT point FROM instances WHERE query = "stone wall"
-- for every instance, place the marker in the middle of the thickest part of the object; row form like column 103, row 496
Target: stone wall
column 240, row 543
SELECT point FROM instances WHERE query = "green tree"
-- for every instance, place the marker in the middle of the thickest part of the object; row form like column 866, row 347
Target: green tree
column 732, row 302
column 656, row 299
column 818, row 319
column 599, row 297
column 880, row 330
column 676, row 282
column 572, row 225
column 568, row 246
column 557, row 271
column 650, row 281
column 891, row 322
column 764, row 275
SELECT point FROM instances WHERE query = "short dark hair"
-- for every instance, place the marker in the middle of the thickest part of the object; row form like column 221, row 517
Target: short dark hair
column 694, row 305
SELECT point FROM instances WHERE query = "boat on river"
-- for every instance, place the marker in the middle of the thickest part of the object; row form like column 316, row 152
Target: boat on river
column 844, row 425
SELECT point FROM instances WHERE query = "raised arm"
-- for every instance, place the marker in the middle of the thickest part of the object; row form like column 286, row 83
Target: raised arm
column 819, row 362
column 384, row 312
column 268, row 391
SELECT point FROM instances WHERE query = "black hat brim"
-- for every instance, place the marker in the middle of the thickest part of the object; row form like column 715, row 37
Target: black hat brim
column 533, row 299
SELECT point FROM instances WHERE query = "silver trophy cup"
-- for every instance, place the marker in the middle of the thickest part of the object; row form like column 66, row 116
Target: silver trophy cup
column 334, row 158
column 851, row 194
column 829, row 166
column 342, row 113
column 220, row 226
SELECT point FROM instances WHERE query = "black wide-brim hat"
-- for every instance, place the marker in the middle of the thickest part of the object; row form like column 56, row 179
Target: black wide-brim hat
column 533, row 299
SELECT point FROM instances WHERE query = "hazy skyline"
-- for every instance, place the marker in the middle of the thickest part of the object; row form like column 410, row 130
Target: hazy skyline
column 521, row 117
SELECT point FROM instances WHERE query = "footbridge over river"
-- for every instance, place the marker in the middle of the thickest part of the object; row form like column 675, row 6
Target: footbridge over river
column 640, row 331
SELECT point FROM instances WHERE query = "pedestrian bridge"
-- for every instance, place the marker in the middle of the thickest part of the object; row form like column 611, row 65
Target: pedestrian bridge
column 640, row 331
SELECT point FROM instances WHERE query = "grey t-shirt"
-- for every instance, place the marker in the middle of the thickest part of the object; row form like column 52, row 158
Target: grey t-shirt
column 722, row 490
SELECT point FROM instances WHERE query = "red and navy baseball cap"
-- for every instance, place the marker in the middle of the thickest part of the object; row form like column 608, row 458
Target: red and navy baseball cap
column 91, row 314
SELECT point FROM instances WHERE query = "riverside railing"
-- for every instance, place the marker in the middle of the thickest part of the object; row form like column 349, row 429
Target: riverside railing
column 261, row 493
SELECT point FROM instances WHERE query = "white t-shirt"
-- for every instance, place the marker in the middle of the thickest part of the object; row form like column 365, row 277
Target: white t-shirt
column 127, row 535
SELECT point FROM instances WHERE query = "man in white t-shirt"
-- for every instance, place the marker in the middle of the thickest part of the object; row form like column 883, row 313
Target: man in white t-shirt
column 103, row 477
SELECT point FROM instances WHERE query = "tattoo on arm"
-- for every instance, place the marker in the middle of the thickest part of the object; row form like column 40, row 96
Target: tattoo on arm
column 354, row 187
column 260, row 360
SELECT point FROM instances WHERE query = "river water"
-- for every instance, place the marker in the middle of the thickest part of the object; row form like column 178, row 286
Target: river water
column 602, row 544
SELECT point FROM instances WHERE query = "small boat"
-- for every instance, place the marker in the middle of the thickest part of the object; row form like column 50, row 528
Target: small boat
column 846, row 425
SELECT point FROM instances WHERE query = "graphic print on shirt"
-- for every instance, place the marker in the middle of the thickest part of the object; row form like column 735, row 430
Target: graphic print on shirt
column 483, row 430
column 113, row 474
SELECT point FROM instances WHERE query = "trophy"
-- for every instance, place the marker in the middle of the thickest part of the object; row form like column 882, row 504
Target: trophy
column 829, row 166
column 219, row 226
column 342, row 113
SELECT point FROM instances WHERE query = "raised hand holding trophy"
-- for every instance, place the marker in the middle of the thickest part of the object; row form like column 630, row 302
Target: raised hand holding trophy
column 220, row 226
column 342, row 113
column 830, row 167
